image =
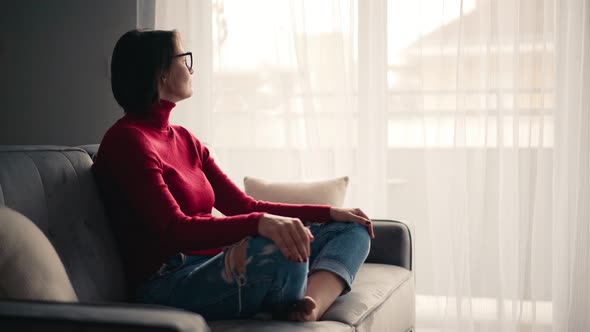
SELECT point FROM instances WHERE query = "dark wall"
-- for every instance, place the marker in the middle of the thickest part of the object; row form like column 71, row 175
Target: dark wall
column 54, row 56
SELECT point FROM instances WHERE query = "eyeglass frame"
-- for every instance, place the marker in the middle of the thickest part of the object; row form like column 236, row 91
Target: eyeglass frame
column 190, row 54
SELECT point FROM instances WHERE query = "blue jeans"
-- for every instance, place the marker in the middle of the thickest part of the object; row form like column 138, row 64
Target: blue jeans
column 270, row 282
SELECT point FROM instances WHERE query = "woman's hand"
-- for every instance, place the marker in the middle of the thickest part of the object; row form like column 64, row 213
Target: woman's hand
column 288, row 234
column 352, row 215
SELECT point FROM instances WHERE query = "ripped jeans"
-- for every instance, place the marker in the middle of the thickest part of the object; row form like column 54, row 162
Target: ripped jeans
column 270, row 282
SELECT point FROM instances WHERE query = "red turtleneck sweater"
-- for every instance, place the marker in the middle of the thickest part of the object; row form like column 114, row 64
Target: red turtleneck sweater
column 159, row 184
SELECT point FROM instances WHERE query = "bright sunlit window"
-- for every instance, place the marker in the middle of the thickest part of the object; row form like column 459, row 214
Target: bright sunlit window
column 262, row 88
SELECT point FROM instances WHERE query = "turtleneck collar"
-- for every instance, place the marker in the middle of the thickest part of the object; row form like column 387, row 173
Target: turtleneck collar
column 157, row 115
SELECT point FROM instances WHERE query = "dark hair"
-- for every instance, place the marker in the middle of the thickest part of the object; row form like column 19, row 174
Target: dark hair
column 139, row 58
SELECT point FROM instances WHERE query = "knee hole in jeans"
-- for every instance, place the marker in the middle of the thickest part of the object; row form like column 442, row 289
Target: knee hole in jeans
column 235, row 261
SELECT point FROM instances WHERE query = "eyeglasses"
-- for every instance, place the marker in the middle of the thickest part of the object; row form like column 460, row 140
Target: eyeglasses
column 188, row 59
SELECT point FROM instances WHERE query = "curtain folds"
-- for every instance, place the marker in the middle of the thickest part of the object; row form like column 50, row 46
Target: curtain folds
column 467, row 119
column 571, row 178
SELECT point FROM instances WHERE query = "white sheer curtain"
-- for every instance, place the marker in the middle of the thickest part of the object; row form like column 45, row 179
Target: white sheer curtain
column 467, row 119
column 571, row 174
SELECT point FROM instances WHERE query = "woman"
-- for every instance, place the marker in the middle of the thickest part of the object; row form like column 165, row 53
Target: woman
column 160, row 185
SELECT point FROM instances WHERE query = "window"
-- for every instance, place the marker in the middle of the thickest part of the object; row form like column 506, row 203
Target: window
column 475, row 76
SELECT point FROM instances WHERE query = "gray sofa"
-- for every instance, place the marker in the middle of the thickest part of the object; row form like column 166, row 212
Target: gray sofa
column 52, row 189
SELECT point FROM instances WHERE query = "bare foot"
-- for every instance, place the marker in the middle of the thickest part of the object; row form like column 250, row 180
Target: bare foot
column 305, row 310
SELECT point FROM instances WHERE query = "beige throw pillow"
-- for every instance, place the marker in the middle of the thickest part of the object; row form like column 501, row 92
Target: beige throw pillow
column 325, row 192
column 30, row 269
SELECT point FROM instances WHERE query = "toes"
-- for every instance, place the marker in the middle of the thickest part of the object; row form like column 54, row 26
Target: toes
column 306, row 305
column 303, row 310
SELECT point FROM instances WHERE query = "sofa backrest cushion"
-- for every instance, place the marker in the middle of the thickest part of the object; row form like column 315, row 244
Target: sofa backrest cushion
column 54, row 187
column 29, row 265
column 91, row 149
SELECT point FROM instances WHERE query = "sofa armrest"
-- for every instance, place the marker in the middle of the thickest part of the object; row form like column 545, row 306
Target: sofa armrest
column 17, row 315
column 392, row 244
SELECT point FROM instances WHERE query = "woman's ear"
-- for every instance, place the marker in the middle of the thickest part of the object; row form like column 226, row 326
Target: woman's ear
column 162, row 76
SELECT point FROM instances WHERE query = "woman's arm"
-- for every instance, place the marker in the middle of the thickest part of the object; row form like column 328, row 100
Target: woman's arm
column 136, row 173
column 231, row 200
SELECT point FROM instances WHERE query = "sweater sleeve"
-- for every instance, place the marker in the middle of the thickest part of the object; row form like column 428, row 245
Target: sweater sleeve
column 231, row 200
column 137, row 170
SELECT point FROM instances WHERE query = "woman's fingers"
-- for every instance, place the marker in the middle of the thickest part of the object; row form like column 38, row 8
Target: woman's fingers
column 293, row 241
column 303, row 236
column 359, row 219
column 371, row 231
column 292, row 237
column 309, row 235
column 361, row 213
column 288, row 234
column 287, row 246
column 281, row 245
column 365, row 222
column 300, row 240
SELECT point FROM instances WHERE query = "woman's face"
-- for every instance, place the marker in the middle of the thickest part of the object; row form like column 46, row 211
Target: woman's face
column 175, row 85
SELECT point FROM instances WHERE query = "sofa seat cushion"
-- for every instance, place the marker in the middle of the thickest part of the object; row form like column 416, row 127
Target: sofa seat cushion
column 382, row 299
column 275, row 325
